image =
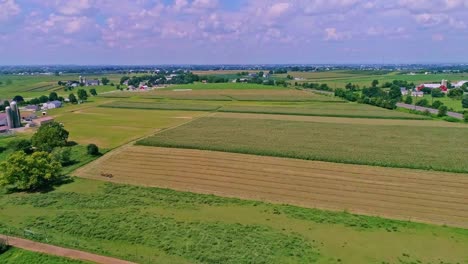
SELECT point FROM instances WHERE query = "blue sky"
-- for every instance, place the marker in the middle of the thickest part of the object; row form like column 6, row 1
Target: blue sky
column 222, row 31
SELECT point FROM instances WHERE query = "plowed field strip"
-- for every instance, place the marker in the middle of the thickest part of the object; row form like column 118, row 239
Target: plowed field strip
column 311, row 182
column 434, row 197
column 308, row 200
column 285, row 171
column 359, row 195
column 298, row 164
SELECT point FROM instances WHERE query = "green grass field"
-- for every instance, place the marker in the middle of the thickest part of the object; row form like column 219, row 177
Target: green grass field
column 338, row 79
column 20, row 256
column 323, row 109
column 436, row 148
column 37, row 85
column 151, row 225
column 161, row 106
column 454, row 104
column 334, row 109
column 112, row 127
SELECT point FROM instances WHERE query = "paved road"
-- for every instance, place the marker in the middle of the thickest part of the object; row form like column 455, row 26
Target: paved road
column 60, row 251
column 433, row 111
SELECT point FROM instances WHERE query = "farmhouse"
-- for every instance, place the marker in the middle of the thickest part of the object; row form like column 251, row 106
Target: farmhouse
column 459, row 84
column 3, row 120
column 52, row 105
column 417, row 94
column 93, row 83
column 403, row 91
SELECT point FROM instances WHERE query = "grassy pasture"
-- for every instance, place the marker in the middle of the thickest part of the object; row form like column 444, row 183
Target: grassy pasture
column 20, row 256
column 338, row 79
column 151, row 225
column 324, row 109
column 437, row 148
column 455, row 104
column 112, row 127
column 161, row 106
column 338, row 109
column 274, row 95
column 37, row 85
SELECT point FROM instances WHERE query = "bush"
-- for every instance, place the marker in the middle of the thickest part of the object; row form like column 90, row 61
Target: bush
column 465, row 101
column 21, row 145
column 451, row 119
column 437, row 104
column 423, row 103
column 3, row 245
column 465, row 116
column 443, row 110
column 93, row 150
column 408, row 100
column 62, row 155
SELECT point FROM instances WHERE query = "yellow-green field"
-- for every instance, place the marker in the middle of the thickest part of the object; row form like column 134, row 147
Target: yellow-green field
column 434, row 148
column 37, row 85
column 109, row 128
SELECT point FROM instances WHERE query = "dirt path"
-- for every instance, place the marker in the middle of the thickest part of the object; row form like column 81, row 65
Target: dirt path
column 431, row 110
column 60, row 251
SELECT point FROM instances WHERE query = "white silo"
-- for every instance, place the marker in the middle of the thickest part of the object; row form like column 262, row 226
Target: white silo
column 15, row 115
column 9, row 117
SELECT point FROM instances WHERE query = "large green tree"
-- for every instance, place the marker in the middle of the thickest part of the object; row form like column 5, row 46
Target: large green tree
column 53, row 96
column 82, row 94
column 465, row 101
column 395, row 92
column 29, row 172
column 105, row 81
column 50, row 136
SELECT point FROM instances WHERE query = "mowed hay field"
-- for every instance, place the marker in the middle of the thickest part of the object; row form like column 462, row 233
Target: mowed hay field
column 154, row 225
column 109, row 127
column 407, row 146
column 433, row 197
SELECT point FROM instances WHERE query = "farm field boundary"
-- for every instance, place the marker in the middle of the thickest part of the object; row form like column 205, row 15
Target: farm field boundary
column 314, row 109
column 60, row 251
column 432, row 197
column 362, row 144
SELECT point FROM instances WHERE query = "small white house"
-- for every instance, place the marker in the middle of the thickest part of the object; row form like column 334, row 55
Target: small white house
column 404, row 91
column 417, row 94
column 52, row 105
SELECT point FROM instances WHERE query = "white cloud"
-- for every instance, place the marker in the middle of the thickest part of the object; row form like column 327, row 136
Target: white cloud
column 74, row 7
column 8, row 9
column 333, row 34
column 278, row 9
column 438, row 37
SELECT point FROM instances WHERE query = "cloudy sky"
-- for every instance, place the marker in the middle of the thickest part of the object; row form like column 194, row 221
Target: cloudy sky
column 232, row 31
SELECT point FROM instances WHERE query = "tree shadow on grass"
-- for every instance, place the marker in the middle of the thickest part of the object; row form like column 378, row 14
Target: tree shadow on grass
column 71, row 143
column 43, row 189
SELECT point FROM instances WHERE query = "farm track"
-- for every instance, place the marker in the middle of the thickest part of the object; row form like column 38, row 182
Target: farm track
column 433, row 197
column 341, row 120
column 61, row 251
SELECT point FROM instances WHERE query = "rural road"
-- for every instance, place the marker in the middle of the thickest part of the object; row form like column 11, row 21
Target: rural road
column 431, row 110
column 60, row 251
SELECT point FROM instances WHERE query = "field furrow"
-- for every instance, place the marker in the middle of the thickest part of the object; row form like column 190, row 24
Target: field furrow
column 434, row 197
